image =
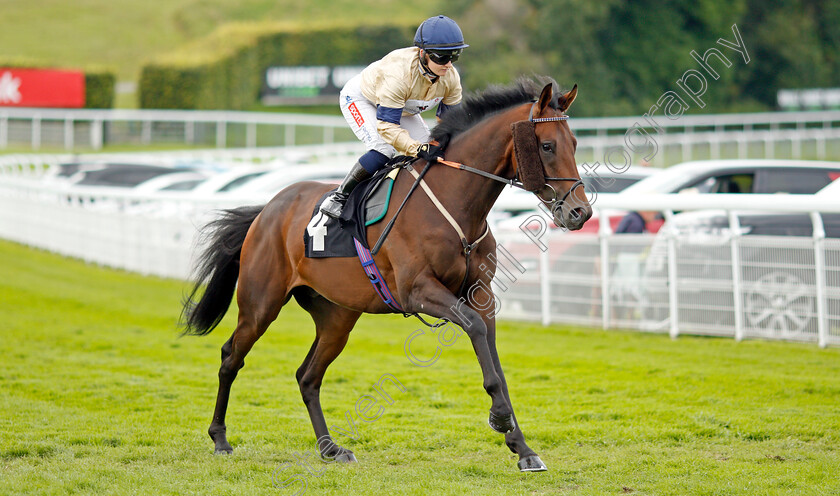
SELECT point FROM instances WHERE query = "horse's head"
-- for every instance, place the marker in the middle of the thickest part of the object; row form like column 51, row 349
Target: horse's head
column 544, row 155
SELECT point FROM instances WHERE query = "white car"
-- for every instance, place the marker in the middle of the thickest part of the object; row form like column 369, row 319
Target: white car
column 175, row 181
column 265, row 186
column 231, row 179
column 720, row 176
column 740, row 176
column 602, row 180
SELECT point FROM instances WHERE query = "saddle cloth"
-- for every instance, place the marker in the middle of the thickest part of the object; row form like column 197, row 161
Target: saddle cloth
column 368, row 203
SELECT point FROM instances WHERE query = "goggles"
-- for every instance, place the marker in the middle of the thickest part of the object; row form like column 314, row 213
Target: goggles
column 443, row 57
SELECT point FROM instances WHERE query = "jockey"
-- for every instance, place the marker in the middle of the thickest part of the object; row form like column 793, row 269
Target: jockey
column 384, row 102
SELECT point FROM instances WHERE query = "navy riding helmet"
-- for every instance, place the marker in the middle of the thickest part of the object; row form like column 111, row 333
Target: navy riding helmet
column 439, row 33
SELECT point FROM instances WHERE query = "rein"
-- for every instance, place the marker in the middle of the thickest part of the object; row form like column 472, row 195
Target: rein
column 515, row 181
column 467, row 246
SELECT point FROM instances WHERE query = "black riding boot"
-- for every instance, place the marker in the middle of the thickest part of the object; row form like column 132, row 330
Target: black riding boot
column 334, row 203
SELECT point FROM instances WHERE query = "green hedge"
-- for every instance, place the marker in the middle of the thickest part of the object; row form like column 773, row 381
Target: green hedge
column 226, row 70
column 100, row 89
column 100, row 83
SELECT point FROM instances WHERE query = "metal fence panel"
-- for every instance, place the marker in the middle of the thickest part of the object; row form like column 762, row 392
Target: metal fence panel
column 668, row 282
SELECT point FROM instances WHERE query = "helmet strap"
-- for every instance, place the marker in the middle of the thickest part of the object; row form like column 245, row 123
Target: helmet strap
column 424, row 67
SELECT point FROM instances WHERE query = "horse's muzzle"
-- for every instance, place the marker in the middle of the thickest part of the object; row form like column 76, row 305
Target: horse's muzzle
column 571, row 216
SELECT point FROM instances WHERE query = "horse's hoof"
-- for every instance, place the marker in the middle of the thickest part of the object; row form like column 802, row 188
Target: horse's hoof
column 347, row 457
column 223, row 451
column 501, row 423
column 531, row 464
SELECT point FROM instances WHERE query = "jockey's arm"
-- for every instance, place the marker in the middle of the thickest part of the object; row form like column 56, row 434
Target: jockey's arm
column 388, row 126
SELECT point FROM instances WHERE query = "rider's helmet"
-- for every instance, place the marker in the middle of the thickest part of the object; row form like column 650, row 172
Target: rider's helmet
column 440, row 36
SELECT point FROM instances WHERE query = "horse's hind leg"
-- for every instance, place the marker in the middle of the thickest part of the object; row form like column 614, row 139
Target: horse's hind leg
column 260, row 300
column 333, row 324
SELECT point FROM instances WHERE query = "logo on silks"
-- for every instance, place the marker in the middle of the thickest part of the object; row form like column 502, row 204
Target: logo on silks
column 357, row 116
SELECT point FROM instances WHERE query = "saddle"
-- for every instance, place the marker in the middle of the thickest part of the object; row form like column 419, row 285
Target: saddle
column 367, row 204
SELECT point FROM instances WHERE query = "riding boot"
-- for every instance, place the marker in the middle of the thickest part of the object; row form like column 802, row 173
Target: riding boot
column 334, row 203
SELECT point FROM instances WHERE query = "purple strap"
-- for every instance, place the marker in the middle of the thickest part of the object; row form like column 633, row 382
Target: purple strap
column 375, row 277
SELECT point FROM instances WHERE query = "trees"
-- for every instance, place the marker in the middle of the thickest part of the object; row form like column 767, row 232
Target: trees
column 625, row 53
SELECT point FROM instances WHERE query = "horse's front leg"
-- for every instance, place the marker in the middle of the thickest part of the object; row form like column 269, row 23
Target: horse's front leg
column 433, row 298
column 515, row 439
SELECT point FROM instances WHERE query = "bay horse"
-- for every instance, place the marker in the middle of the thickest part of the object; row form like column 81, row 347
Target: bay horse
column 505, row 133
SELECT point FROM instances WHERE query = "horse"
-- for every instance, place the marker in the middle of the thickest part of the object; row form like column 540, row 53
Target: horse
column 511, row 135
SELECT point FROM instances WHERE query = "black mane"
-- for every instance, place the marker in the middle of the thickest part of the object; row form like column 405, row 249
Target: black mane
column 476, row 106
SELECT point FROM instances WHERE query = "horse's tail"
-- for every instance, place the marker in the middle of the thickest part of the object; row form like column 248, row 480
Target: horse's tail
column 218, row 267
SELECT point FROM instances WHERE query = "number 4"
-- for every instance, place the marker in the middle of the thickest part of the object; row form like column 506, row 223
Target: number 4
column 317, row 230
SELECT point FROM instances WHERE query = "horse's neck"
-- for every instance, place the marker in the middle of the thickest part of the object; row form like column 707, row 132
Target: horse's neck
column 473, row 195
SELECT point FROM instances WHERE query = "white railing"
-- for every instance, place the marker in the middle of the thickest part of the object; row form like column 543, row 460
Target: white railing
column 726, row 285
column 72, row 129
column 757, row 135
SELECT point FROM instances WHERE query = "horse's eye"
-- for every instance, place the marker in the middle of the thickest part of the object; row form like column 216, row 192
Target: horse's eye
column 547, row 146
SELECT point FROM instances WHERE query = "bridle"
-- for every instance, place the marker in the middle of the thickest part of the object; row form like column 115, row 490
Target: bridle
column 515, row 181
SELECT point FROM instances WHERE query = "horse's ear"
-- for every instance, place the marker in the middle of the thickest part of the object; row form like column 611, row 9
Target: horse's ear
column 565, row 101
column 545, row 97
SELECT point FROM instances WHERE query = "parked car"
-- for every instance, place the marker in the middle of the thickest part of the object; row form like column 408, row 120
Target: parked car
column 176, row 181
column 120, row 175
column 231, row 179
column 571, row 253
column 515, row 201
column 720, row 176
column 741, row 176
column 265, row 186
column 777, row 280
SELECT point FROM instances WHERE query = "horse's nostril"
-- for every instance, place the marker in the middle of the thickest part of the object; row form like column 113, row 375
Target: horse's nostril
column 576, row 213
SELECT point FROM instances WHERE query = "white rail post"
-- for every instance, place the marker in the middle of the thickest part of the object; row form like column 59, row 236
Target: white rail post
column 189, row 132
column 743, row 142
column 68, row 133
column 735, row 255
column 96, row 138
column 251, row 135
column 604, row 233
column 289, row 139
column 715, row 143
column 819, row 268
column 796, row 141
column 821, row 140
column 4, row 131
column 221, row 133
column 545, row 285
column 672, row 276
column 36, row 132
column 146, row 133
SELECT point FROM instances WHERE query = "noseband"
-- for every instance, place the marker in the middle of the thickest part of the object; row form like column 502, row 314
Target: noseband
column 522, row 160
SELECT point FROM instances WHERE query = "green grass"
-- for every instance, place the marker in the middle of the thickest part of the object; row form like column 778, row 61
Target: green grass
column 124, row 34
column 99, row 395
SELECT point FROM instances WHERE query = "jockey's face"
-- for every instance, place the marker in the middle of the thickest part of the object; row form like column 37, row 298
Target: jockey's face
column 438, row 69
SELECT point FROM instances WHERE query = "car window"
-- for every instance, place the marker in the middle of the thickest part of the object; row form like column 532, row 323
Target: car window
column 183, row 185
column 800, row 181
column 725, row 183
column 240, row 181
column 607, row 184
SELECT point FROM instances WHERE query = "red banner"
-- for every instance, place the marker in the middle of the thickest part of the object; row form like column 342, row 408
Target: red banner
column 41, row 88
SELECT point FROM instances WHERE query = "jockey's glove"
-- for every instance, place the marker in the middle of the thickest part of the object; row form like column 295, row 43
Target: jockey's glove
column 430, row 152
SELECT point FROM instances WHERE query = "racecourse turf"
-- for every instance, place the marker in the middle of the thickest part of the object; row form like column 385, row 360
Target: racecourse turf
column 99, row 395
